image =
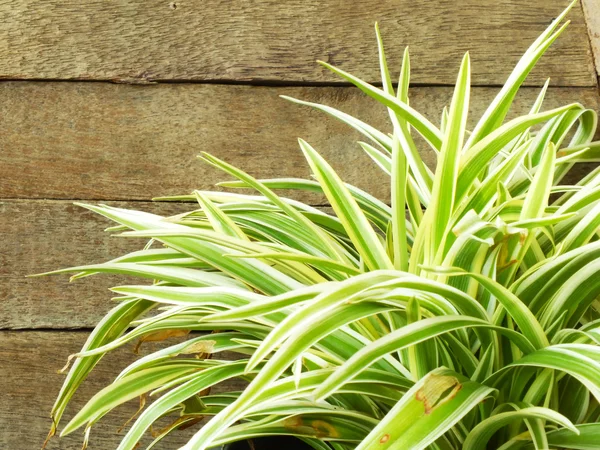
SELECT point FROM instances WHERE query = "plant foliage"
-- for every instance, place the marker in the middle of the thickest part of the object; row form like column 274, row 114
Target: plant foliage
column 464, row 315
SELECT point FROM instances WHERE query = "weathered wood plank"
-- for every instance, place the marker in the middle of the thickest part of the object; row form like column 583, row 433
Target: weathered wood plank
column 39, row 236
column 279, row 41
column 591, row 11
column 121, row 142
column 28, row 369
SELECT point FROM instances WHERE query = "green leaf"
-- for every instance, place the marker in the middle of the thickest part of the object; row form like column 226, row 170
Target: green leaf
column 375, row 209
column 356, row 224
column 404, row 337
column 401, row 131
column 480, row 154
column 399, row 179
column 177, row 275
column 587, row 437
column 373, row 134
column 199, row 382
column 436, row 403
column 497, row 110
column 115, row 323
column 128, row 388
column 420, row 123
column 443, row 196
column 481, row 434
column 432, row 233
column 218, row 219
column 321, row 239
column 567, row 358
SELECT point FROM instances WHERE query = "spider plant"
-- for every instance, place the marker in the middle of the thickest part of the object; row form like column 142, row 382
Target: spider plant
column 463, row 315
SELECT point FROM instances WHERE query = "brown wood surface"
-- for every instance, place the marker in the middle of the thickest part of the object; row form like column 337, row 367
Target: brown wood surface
column 125, row 144
column 38, row 236
column 274, row 40
column 120, row 142
column 29, row 362
column 591, row 10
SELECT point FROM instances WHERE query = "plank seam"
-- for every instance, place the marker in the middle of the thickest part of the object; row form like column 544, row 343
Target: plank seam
column 47, row 330
column 158, row 202
column 262, row 83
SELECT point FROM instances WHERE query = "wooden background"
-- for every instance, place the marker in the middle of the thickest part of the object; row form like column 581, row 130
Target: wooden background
column 112, row 101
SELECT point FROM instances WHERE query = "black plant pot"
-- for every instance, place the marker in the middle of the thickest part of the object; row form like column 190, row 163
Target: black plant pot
column 268, row 443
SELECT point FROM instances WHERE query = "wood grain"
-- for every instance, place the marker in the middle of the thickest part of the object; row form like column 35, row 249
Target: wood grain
column 107, row 141
column 271, row 40
column 121, row 142
column 38, row 236
column 28, row 369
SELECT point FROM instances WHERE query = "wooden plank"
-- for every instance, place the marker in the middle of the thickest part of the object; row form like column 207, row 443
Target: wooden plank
column 122, row 142
column 39, row 236
column 591, row 10
column 270, row 40
column 28, row 369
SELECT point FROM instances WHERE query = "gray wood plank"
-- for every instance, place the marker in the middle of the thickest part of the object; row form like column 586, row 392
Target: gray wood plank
column 38, row 236
column 271, row 40
column 120, row 142
column 28, row 369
